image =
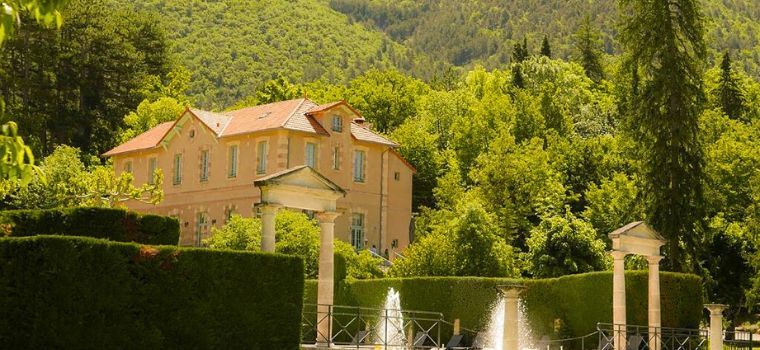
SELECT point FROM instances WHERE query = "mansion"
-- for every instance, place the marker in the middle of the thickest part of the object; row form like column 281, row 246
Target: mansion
column 210, row 161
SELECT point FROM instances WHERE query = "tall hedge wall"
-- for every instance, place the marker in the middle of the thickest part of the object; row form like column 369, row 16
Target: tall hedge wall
column 59, row 292
column 114, row 224
column 577, row 301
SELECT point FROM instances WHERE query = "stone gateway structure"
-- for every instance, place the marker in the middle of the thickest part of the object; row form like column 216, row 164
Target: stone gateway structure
column 636, row 238
column 213, row 163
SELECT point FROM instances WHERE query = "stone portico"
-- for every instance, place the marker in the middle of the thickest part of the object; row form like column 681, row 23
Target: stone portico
column 636, row 238
column 304, row 188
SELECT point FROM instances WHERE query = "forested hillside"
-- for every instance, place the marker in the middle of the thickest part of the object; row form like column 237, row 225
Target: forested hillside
column 484, row 31
column 231, row 47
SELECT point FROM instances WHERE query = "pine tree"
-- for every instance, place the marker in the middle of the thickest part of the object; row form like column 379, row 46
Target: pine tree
column 587, row 42
column 546, row 50
column 520, row 52
column 666, row 40
column 729, row 92
column 517, row 76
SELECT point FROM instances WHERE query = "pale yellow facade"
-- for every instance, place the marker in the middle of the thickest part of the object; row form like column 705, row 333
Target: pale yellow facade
column 375, row 212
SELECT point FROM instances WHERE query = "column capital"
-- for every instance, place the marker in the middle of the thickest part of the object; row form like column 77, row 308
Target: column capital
column 716, row 309
column 654, row 259
column 618, row 254
column 325, row 217
column 268, row 208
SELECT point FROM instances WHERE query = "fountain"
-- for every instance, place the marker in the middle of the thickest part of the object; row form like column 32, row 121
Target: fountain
column 390, row 327
column 494, row 333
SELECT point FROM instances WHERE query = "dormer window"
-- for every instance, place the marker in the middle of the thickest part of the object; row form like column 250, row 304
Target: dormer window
column 337, row 123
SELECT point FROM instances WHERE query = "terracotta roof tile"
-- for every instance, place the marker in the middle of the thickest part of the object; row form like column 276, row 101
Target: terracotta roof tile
column 363, row 134
column 215, row 121
column 263, row 117
column 290, row 115
column 146, row 140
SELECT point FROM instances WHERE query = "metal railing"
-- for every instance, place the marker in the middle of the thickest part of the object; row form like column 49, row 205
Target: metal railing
column 358, row 327
column 643, row 338
column 739, row 340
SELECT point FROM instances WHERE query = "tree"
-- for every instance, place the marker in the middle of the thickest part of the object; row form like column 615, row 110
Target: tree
column 519, row 52
column 418, row 146
column 546, row 49
column 45, row 12
column 665, row 39
column 87, row 76
column 729, row 91
column 70, row 183
column 563, row 245
column 386, row 98
column 16, row 158
column 465, row 246
column 587, row 44
column 613, row 203
column 238, row 233
column 296, row 235
column 278, row 89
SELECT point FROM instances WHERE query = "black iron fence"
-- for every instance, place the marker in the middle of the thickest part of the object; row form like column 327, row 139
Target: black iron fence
column 350, row 326
column 644, row 338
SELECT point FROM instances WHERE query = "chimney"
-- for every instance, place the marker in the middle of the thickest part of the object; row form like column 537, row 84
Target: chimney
column 361, row 122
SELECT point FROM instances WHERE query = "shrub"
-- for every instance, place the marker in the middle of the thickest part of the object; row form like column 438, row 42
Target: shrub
column 579, row 301
column 92, row 294
column 113, row 224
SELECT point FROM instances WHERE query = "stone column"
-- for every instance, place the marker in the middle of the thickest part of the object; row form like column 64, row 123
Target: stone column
column 655, row 325
column 716, row 325
column 510, row 336
column 268, row 212
column 326, row 278
column 618, row 300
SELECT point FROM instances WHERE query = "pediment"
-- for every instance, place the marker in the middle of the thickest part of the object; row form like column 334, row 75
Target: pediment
column 637, row 238
column 301, row 176
column 301, row 187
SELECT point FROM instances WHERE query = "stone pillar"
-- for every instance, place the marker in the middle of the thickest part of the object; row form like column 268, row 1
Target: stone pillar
column 716, row 325
column 510, row 336
column 655, row 325
column 326, row 279
column 618, row 300
column 268, row 212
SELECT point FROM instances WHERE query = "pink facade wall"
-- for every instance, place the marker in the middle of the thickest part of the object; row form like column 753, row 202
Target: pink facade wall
column 384, row 198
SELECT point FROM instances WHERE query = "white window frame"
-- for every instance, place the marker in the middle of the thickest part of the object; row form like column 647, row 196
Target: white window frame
column 177, row 167
column 205, row 161
column 310, row 160
column 360, row 166
column 357, row 230
column 232, row 159
column 262, row 153
column 152, row 166
column 201, row 226
column 336, row 158
column 337, row 123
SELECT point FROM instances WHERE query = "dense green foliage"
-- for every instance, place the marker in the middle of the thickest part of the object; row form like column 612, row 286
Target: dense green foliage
column 91, row 294
column 73, row 85
column 112, row 224
column 574, row 300
column 296, row 235
column 666, row 43
column 68, row 182
column 485, row 31
column 515, row 152
column 234, row 47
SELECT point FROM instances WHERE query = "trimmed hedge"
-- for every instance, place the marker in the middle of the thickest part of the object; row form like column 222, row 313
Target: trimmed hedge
column 575, row 302
column 114, row 224
column 60, row 292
